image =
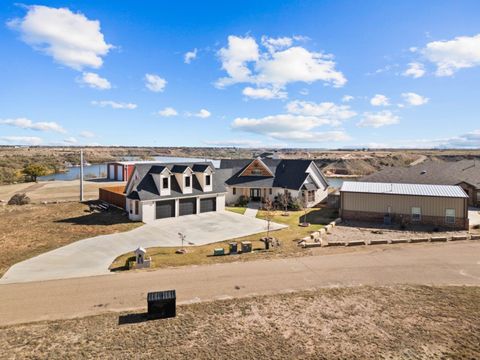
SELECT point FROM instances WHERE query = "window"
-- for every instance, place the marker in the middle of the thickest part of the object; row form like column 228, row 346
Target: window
column 257, row 172
column 416, row 214
column 271, row 191
column 450, row 216
column 208, row 180
column 187, row 181
column 165, row 183
column 234, row 191
column 136, row 207
column 311, row 195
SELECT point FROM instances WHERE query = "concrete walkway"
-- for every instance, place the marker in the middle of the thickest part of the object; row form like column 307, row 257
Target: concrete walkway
column 252, row 209
column 93, row 256
column 455, row 263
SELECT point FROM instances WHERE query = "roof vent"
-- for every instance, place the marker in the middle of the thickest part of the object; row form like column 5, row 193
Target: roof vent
column 423, row 172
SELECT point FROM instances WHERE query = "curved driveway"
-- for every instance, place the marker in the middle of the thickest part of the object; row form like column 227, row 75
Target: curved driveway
column 93, row 256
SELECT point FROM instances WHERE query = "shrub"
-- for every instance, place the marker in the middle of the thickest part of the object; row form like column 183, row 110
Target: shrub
column 19, row 199
column 243, row 201
column 295, row 204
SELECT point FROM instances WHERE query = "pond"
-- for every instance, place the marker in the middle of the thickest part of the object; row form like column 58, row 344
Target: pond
column 100, row 170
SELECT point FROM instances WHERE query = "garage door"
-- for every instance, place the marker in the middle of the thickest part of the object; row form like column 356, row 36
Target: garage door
column 111, row 172
column 165, row 209
column 188, row 206
column 208, row 204
column 120, row 172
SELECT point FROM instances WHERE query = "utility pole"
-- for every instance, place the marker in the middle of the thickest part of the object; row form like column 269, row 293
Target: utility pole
column 81, row 175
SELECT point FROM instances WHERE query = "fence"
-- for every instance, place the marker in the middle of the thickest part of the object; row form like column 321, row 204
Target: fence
column 113, row 195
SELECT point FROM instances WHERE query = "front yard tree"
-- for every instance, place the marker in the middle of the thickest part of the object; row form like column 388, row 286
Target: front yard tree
column 304, row 205
column 34, row 171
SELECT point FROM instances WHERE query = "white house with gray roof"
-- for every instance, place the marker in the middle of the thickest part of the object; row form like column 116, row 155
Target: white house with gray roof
column 156, row 191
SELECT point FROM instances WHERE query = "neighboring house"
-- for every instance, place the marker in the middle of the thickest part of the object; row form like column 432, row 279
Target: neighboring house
column 464, row 173
column 156, row 191
column 436, row 205
column 121, row 170
column 259, row 179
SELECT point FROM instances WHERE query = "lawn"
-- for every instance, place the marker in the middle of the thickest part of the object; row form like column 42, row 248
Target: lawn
column 165, row 256
column 400, row 322
column 30, row 230
column 236, row 209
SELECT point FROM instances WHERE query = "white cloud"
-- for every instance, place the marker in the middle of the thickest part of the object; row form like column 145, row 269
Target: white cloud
column 234, row 143
column 235, row 57
column 378, row 119
column 155, row 83
column 190, row 56
column 21, row 140
column 167, row 112
column 379, row 100
column 87, row 134
column 277, row 66
column 114, row 104
column 415, row 70
column 203, row 113
column 94, row 81
column 414, row 99
column 70, row 38
column 326, row 111
column 452, row 55
column 264, row 93
column 25, row 123
column 312, row 136
column 468, row 140
column 347, row 98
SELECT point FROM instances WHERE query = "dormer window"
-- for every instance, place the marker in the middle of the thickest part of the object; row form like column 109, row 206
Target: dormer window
column 187, row 181
column 165, row 183
column 208, row 180
column 256, row 172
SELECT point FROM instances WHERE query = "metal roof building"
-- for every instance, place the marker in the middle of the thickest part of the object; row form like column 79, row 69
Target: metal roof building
column 438, row 206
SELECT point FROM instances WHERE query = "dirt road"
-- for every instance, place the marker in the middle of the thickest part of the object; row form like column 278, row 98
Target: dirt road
column 430, row 264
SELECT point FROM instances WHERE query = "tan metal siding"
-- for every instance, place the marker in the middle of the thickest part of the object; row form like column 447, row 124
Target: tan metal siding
column 402, row 204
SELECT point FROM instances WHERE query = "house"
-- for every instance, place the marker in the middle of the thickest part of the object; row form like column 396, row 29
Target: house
column 261, row 179
column 464, row 173
column 160, row 190
column 436, row 205
column 121, row 170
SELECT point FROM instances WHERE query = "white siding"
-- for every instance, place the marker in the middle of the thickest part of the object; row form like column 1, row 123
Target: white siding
column 221, row 202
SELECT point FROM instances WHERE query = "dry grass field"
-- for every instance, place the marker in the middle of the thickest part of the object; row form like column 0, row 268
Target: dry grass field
column 402, row 322
column 30, row 230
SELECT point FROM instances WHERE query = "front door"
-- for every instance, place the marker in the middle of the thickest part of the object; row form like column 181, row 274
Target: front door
column 255, row 194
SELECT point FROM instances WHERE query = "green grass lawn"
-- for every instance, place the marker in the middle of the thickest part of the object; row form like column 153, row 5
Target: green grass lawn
column 238, row 210
column 165, row 256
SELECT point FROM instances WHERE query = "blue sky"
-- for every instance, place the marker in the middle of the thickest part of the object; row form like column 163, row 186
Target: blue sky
column 317, row 74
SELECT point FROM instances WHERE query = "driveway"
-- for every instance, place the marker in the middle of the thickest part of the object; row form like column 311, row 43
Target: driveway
column 454, row 263
column 93, row 256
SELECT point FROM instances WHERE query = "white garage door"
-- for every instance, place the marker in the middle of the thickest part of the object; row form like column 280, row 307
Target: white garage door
column 111, row 172
column 120, row 172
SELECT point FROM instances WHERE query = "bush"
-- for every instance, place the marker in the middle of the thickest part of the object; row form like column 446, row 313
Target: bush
column 242, row 201
column 19, row 199
column 295, row 205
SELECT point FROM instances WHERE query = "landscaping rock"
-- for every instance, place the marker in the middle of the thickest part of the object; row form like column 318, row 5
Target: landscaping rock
column 475, row 237
column 307, row 245
column 459, row 237
column 332, row 224
column 315, row 235
column 324, row 242
column 398, row 241
column 338, row 221
column 355, row 243
column 378, row 241
column 438, row 238
column 336, row 243
column 418, row 240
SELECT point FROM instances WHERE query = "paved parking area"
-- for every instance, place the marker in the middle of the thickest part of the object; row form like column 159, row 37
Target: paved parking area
column 93, row 256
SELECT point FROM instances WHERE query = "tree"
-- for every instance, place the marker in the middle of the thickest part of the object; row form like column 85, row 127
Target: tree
column 304, row 205
column 34, row 171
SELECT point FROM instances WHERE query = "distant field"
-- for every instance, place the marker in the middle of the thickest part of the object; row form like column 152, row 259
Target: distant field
column 30, row 230
column 402, row 322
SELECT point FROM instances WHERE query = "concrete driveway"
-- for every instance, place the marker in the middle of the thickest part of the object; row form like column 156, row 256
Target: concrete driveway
column 93, row 256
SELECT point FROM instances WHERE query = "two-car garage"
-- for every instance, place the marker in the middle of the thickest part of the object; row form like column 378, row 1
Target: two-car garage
column 166, row 208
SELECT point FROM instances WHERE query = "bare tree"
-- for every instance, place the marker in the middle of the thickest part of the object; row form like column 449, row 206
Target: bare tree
column 284, row 201
column 304, row 205
column 182, row 238
column 268, row 206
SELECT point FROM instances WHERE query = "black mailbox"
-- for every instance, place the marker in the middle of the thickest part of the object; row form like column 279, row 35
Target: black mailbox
column 162, row 304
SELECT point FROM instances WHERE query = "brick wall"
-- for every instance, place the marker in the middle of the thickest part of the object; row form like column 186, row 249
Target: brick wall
column 439, row 221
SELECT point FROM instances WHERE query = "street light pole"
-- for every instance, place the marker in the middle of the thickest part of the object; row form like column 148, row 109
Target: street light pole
column 81, row 175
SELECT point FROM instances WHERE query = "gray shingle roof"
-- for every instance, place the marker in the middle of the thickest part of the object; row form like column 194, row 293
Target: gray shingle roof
column 290, row 174
column 403, row 189
column 432, row 172
column 147, row 190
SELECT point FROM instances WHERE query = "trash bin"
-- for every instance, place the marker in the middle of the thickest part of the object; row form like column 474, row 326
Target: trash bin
column 233, row 247
column 246, row 246
column 218, row 251
column 161, row 304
